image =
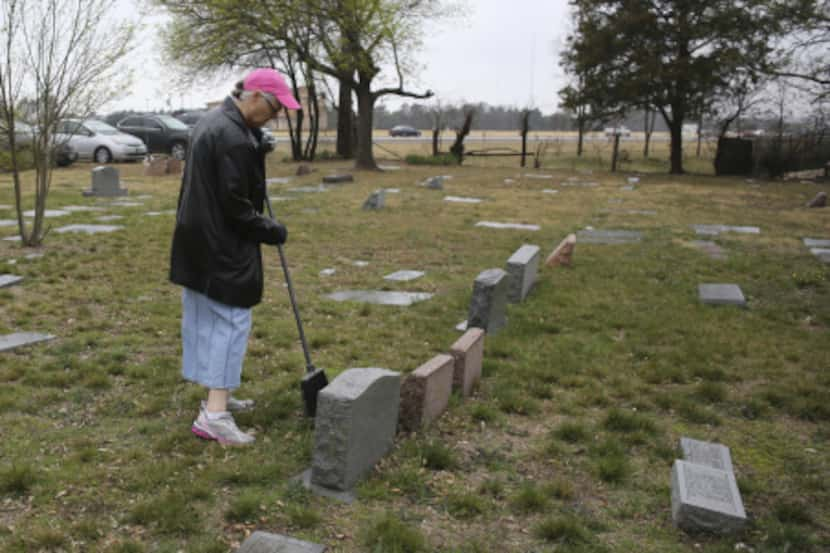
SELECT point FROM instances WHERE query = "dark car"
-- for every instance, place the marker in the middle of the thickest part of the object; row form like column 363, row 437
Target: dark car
column 404, row 130
column 190, row 118
column 163, row 134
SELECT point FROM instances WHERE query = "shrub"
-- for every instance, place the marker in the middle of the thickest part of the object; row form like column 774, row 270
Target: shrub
column 442, row 159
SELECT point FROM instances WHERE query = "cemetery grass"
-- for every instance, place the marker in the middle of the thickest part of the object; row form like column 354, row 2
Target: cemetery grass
column 568, row 442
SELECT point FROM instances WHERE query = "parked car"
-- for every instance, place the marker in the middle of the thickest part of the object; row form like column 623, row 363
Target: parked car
column 163, row 134
column 65, row 154
column 404, row 130
column 621, row 130
column 99, row 142
column 190, row 118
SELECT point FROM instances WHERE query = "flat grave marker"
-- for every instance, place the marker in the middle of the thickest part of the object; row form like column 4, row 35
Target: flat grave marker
column 592, row 236
column 10, row 280
column 462, row 200
column 265, row 542
column 705, row 499
column 514, row 226
column 380, row 297
column 710, row 454
column 88, row 229
column 721, row 294
column 404, row 276
column 20, row 339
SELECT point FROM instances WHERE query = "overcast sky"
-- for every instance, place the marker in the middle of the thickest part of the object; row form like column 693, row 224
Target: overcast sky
column 500, row 52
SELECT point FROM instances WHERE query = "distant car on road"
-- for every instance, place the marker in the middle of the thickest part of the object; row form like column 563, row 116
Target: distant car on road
column 623, row 131
column 65, row 154
column 404, row 130
column 163, row 134
column 97, row 141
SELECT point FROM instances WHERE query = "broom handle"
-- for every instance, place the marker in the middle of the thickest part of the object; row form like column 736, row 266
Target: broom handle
column 309, row 367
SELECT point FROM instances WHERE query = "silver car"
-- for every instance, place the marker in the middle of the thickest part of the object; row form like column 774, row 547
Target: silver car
column 102, row 143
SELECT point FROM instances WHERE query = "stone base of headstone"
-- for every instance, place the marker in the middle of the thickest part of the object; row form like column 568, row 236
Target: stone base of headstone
column 705, row 499
column 425, row 393
column 489, row 301
column 819, row 201
column 468, row 357
column 337, row 179
column 521, row 270
column 105, row 183
column 348, row 496
column 563, row 253
column 264, row 542
column 355, row 426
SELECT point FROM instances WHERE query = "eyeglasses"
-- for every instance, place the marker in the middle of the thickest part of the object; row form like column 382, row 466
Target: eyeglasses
column 274, row 109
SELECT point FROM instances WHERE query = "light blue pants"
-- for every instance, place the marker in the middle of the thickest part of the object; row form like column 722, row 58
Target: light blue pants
column 214, row 340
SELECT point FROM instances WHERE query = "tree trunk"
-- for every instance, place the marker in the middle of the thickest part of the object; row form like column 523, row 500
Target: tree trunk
column 581, row 136
column 676, row 130
column 345, row 122
column 699, row 134
column 365, row 108
column 435, row 132
column 615, row 153
column 525, row 129
column 649, row 128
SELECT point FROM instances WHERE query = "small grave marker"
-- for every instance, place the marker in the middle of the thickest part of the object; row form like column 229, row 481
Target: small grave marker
column 88, row 229
column 705, row 499
column 10, row 280
column 20, row 339
column 706, row 453
column 721, row 294
column 404, row 276
column 816, row 243
column 515, row 226
column 591, row 236
column 376, row 200
column 338, row 179
column 425, row 393
column 462, row 200
column 48, row 213
column 105, row 183
column 488, row 304
column 521, row 269
column 380, row 297
column 264, row 542
column 713, row 250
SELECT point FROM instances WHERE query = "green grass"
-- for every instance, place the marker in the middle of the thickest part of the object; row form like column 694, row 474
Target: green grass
column 572, row 429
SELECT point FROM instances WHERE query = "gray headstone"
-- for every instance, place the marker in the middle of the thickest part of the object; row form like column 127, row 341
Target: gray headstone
column 823, row 254
column 9, row 280
column 380, row 297
column 435, row 183
column 488, row 305
column 88, row 229
column 106, row 183
column 404, row 276
column 355, row 425
column 816, row 243
column 819, row 201
column 521, row 269
column 264, row 542
column 608, row 236
column 705, row 499
column 337, row 179
column 706, row 453
column 515, row 226
column 19, row 339
column 376, row 200
column 711, row 249
column 721, row 294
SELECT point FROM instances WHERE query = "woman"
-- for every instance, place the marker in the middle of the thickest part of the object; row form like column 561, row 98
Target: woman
column 216, row 254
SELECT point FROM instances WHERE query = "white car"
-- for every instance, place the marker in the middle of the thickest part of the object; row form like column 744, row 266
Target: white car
column 623, row 131
column 102, row 143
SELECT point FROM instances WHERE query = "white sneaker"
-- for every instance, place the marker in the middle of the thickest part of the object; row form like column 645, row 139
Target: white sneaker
column 222, row 430
column 235, row 405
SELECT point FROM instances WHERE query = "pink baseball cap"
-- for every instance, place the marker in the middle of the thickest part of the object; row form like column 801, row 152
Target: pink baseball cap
column 268, row 80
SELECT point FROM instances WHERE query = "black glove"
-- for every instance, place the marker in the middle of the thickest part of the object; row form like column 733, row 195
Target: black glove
column 280, row 233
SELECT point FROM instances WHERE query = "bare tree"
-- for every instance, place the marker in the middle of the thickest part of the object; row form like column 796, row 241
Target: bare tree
column 61, row 56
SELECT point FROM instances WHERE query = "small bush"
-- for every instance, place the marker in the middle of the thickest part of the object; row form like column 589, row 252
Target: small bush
column 441, row 159
column 16, row 480
column 243, row 508
column 623, row 421
column 492, row 487
column 529, row 499
column 711, row 392
column 565, row 530
column 572, row 432
column 481, row 412
column 464, row 506
column 387, row 534
column 437, row 456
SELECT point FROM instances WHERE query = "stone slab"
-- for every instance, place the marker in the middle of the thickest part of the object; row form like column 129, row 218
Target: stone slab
column 328, row 272
column 515, row 226
column 817, row 243
column 12, row 239
column 126, row 204
column 389, row 167
column 721, row 294
column 337, row 179
column 380, row 297
column 705, row 499
column 627, row 188
column 108, row 218
column 709, row 454
column 462, row 200
column 81, row 208
column 823, row 254
column 425, row 393
column 434, row 183
column 462, row 326
column 20, row 339
column 609, row 236
column 158, row 213
column 355, row 426
column 278, row 180
column 488, row 305
column 550, row 191
column 8, row 223
column 581, row 184
column 105, row 183
column 359, row 263
column 713, row 250
column 10, row 280
column 264, row 542
column 468, row 356
column 713, row 230
column 309, row 189
column 48, row 213
column 404, row 276
column 392, row 190
column 537, row 176
column 5, row 207
column 88, row 229
column 521, row 270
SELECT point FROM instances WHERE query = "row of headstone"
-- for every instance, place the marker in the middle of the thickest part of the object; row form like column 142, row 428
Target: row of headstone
column 704, row 491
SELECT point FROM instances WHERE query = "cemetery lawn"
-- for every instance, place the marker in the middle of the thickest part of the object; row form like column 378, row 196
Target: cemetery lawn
column 568, row 442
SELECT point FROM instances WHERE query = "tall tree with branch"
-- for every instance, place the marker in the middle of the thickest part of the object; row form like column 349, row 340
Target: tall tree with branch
column 672, row 53
column 62, row 57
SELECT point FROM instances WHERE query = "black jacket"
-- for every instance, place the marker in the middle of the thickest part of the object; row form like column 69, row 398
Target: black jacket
column 219, row 221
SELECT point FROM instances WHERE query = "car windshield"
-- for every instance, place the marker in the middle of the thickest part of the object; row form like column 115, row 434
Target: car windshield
column 100, row 127
column 172, row 122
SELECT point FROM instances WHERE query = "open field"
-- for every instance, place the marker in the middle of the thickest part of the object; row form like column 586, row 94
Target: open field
column 567, row 444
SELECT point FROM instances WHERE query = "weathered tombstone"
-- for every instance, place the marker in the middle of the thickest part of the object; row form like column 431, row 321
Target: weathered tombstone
column 425, row 393
column 468, row 356
column 105, row 183
column 462, row 200
column 521, row 269
column 435, row 183
column 706, row 453
column 721, row 294
column 155, row 166
column 355, row 425
column 489, row 302
column 376, row 200
column 10, row 280
column 705, row 499
column 19, row 339
column 819, row 201
column 563, row 253
column 337, row 179
column 264, row 542
column 303, row 170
